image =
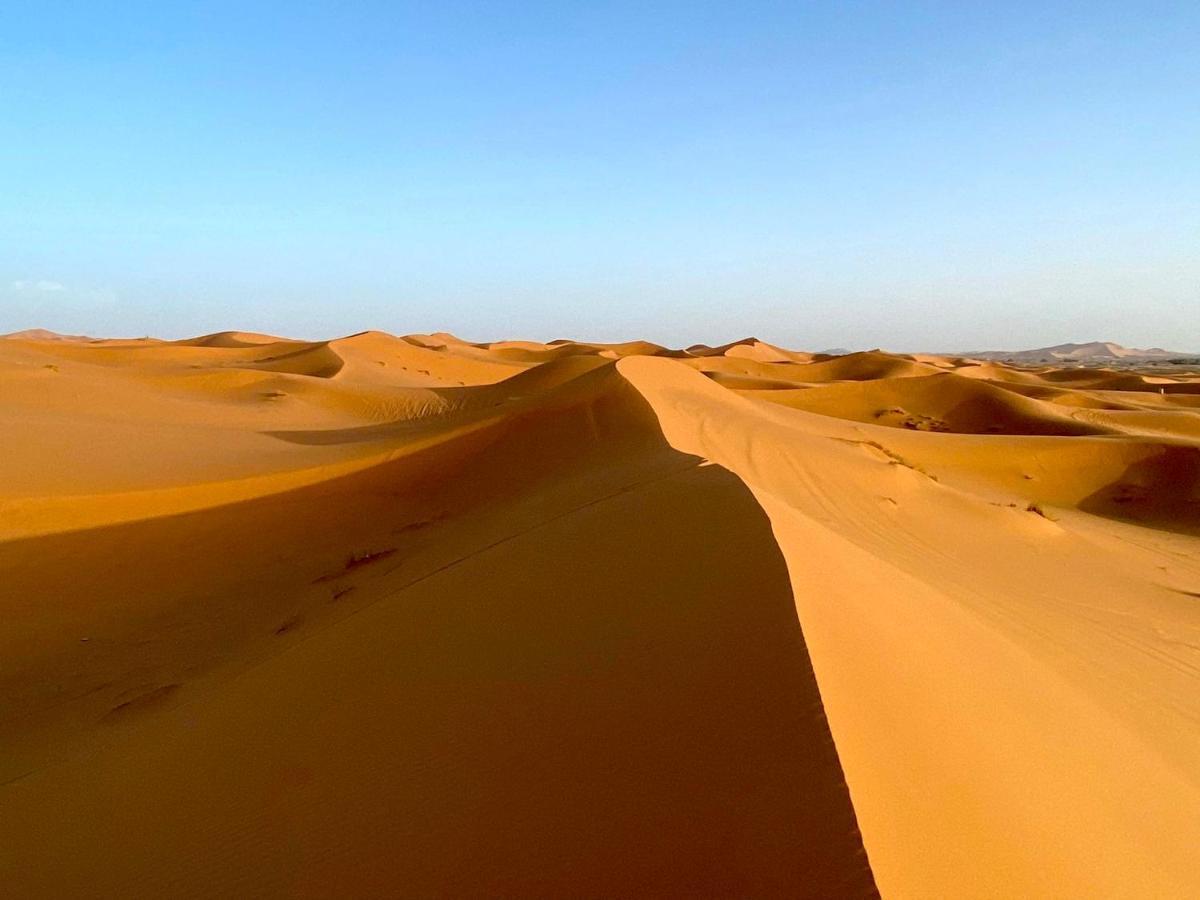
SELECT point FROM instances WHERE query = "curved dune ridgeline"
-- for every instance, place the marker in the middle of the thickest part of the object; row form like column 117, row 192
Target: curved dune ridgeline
column 417, row 616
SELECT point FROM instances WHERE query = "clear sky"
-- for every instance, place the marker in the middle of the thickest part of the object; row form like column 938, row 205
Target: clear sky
column 952, row 175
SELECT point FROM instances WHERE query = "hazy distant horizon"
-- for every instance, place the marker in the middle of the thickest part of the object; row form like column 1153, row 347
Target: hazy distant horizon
column 670, row 344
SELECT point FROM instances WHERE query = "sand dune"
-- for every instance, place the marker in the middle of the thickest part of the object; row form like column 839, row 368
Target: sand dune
column 229, row 339
column 942, row 402
column 417, row 616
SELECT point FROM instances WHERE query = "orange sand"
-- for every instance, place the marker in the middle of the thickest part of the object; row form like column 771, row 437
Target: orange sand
column 413, row 616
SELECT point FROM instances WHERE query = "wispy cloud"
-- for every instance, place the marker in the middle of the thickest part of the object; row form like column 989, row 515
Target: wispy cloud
column 37, row 296
column 39, row 286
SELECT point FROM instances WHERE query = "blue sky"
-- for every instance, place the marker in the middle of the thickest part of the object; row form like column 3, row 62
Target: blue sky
column 907, row 175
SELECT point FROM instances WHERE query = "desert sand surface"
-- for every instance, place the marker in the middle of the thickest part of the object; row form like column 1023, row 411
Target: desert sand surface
column 416, row 616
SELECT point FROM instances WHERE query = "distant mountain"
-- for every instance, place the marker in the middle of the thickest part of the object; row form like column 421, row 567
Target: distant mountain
column 41, row 334
column 1093, row 352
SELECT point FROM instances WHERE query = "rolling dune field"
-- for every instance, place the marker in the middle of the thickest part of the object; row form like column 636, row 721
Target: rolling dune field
column 414, row 616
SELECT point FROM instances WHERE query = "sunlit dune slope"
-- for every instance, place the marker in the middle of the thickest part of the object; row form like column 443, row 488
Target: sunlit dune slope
column 418, row 616
column 941, row 402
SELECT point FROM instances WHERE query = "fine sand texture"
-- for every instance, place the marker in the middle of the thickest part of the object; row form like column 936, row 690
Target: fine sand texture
column 421, row 617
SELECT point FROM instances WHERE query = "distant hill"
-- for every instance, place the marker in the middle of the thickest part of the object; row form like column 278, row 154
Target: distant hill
column 41, row 334
column 1093, row 352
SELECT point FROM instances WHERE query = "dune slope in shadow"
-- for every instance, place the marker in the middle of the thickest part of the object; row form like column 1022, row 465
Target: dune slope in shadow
column 530, row 720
